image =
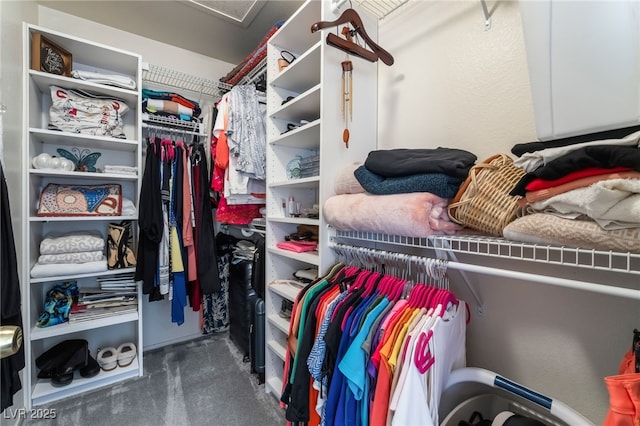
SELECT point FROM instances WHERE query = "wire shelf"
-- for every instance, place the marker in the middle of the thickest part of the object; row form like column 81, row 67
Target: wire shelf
column 501, row 248
column 379, row 8
column 171, row 122
column 180, row 80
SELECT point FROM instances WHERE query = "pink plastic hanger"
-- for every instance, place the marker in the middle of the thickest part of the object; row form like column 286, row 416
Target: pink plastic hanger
column 422, row 355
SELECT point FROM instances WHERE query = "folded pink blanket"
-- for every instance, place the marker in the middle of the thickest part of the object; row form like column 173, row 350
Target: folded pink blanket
column 298, row 246
column 418, row 214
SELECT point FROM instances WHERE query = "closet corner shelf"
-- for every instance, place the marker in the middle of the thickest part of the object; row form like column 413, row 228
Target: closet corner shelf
column 305, row 106
column 67, row 138
column 303, row 73
column 44, row 392
column 281, row 324
column 80, row 218
column 307, row 257
column 288, row 291
column 78, row 276
column 310, row 182
column 38, row 333
column 278, row 349
column 82, row 175
column 44, row 80
column 298, row 220
column 274, row 385
column 623, row 262
column 307, row 136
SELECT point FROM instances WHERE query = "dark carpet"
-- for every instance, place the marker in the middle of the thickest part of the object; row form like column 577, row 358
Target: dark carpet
column 203, row 382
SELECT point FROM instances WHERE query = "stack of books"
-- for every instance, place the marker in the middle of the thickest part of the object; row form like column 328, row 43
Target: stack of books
column 115, row 295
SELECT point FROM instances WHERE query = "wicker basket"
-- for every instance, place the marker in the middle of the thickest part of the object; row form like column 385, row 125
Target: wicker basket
column 483, row 201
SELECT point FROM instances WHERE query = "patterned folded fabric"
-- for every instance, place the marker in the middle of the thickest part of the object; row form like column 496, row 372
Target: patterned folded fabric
column 544, row 228
column 77, row 242
column 89, row 256
column 82, row 112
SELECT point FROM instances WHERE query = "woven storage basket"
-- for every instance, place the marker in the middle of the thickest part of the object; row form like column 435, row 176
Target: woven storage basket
column 483, row 201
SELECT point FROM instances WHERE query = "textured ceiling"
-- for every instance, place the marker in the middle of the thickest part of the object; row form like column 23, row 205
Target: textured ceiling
column 240, row 12
column 183, row 25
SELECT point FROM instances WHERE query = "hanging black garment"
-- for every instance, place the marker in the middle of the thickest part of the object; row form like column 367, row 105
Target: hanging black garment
column 151, row 225
column 206, row 259
column 258, row 277
column 241, row 299
column 10, row 298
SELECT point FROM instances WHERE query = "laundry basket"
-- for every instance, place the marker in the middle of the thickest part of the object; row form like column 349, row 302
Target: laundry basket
column 476, row 389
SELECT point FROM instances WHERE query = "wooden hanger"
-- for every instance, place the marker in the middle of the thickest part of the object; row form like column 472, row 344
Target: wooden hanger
column 350, row 16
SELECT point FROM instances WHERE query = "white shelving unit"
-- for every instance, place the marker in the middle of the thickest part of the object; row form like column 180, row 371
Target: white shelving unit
column 313, row 79
column 37, row 139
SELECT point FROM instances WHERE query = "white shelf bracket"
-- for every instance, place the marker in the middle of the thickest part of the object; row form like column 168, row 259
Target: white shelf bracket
column 487, row 15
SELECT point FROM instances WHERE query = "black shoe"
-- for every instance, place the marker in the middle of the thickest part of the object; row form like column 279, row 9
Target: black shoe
column 91, row 369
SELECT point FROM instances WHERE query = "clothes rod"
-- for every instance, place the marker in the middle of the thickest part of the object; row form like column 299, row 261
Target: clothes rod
column 526, row 276
column 545, row 279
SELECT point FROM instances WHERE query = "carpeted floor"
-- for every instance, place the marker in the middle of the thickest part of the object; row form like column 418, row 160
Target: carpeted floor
column 204, row 382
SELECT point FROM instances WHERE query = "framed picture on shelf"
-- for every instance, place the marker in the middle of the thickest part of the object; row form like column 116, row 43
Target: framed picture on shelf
column 49, row 57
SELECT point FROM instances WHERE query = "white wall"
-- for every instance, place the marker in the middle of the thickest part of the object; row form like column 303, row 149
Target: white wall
column 455, row 85
column 158, row 330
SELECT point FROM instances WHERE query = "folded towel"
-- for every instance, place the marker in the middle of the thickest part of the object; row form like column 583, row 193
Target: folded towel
column 89, row 256
column 76, row 242
column 40, row 270
column 108, row 79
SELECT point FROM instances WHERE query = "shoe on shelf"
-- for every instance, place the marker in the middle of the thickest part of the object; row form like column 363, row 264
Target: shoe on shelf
column 286, row 308
column 107, row 358
column 91, row 369
column 126, row 354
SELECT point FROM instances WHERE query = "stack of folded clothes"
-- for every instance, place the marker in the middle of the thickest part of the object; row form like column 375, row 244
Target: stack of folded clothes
column 73, row 253
column 299, row 242
column 439, row 171
column 170, row 105
column 580, row 191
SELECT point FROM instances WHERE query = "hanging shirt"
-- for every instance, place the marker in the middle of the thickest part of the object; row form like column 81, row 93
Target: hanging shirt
column 353, row 364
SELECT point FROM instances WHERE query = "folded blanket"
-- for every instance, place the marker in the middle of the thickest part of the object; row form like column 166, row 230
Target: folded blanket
column 612, row 204
column 108, row 79
column 541, row 228
column 440, row 184
column 405, row 162
column 346, row 182
column 61, row 269
column 76, row 242
column 84, row 257
column 419, row 214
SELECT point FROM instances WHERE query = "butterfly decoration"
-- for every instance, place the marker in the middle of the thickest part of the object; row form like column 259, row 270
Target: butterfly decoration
column 84, row 160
